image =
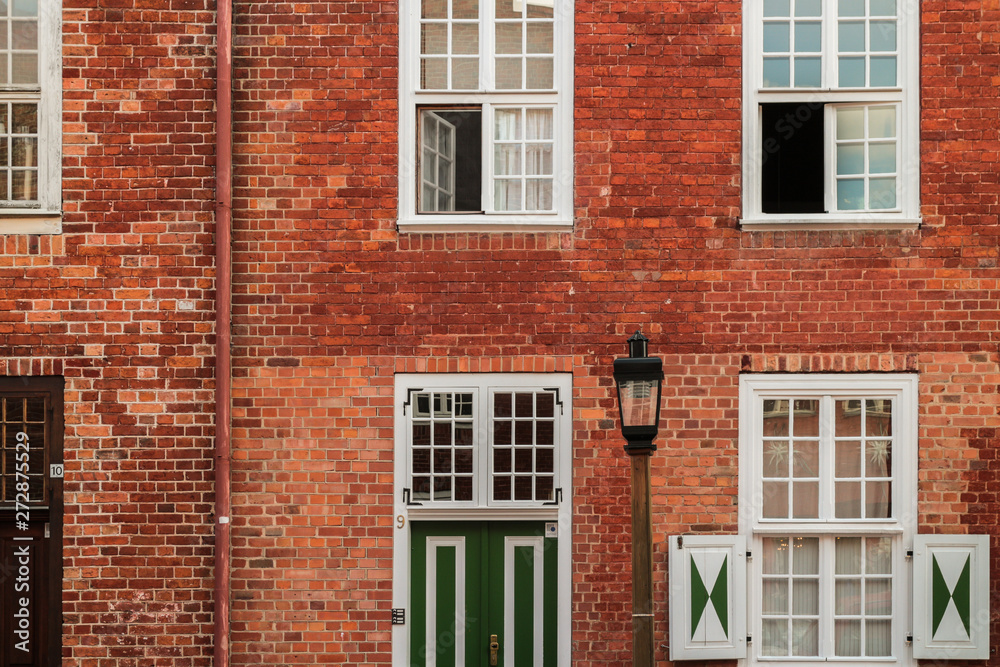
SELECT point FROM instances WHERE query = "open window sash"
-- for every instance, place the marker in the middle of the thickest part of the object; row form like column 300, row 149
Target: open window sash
column 437, row 164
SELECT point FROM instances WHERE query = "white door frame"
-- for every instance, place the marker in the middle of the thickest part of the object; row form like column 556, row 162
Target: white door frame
column 561, row 514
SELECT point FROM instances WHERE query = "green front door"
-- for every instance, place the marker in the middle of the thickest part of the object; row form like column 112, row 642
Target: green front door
column 475, row 579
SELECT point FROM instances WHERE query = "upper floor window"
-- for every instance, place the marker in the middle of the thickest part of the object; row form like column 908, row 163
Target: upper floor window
column 30, row 116
column 831, row 112
column 486, row 117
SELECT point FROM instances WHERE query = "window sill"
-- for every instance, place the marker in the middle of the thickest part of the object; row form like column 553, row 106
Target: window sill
column 794, row 223
column 489, row 224
column 825, row 528
column 29, row 222
column 793, row 661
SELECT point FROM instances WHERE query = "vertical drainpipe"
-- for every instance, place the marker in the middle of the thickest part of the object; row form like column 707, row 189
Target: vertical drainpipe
column 223, row 316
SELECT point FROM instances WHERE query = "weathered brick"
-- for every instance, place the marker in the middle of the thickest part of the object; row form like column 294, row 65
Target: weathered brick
column 331, row 301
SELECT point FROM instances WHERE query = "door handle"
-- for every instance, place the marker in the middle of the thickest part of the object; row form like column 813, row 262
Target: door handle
column 494, row 648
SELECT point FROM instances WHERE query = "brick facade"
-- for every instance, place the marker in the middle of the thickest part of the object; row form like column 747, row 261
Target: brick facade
column 330, row 302
column 122, row 304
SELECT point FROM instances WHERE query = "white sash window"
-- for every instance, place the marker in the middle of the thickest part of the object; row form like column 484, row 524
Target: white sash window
column 828, row 485
column 30, row 117
column 486, row 122
column 831, row 113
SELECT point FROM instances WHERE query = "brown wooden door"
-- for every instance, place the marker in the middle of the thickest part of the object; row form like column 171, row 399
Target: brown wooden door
column 31, row 425
column 24, row 604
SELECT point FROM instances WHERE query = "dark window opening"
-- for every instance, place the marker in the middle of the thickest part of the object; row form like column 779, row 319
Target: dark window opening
column 792, row 158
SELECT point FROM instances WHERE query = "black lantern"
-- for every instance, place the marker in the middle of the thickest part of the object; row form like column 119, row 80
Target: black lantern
column 639, row 378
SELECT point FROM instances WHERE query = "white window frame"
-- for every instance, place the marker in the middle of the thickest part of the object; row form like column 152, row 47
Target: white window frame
column 482, row 387
column 906, row 96
column 560, row 515
column 901, row 528
column 45, row 216
column 560, row 99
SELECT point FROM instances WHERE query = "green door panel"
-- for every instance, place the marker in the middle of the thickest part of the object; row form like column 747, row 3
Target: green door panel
column 471, row 580
column 454, row 627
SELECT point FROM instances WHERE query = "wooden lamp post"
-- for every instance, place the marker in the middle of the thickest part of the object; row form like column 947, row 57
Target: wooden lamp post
column 639, row 379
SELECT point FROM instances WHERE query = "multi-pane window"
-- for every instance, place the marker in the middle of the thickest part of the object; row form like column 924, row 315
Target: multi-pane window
column 19, row 152
column 449, row 44
column 30, row 94
column 867, row 48
column 450, row 52
column 486, row 131
column 522, row 175
column 828, row 467
column 794, row 571
column 494, row 443
column 792, row 44
column 523, row 446
column 441, row 446
column 866, row 51
column 19, row 121
column 831, row 96
column 861, row 474
column 867, row 157
column 24, row 438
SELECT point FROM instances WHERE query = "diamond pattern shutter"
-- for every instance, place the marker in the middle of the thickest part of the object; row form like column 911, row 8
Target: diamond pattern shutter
column 951, row 606
column 707, row 597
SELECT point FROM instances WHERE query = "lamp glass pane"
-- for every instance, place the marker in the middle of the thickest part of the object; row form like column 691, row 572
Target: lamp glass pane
column 638, row 402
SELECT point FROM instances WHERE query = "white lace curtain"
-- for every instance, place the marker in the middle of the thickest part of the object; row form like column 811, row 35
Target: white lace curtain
column 862, row 590
column 522, row 149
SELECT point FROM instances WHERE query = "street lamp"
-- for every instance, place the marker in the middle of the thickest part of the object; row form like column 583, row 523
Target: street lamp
column 639, row 378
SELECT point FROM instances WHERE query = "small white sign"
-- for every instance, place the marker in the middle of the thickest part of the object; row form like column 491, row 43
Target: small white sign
column 551, row 529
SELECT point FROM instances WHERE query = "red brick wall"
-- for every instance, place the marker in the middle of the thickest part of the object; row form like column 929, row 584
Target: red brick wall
column 330, row 302
column 121, row 304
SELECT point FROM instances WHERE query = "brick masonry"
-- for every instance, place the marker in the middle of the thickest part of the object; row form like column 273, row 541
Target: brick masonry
column 330, row 302
column 122, row 305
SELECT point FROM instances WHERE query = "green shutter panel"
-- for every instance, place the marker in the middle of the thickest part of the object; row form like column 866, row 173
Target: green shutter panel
column 707, row 597
column 951, row 603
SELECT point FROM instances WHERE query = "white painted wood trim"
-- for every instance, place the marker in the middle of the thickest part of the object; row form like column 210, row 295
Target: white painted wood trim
column 430, row 638
column 561, row 514
column 682, row 645
column 538, row 588
column 50, row 109
column 485, row 513
column 30, row 222
column 801, row 529
column 977, row 647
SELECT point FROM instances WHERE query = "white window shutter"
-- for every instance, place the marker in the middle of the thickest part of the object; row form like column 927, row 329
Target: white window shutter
column 707, row 597
column 951, row 597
